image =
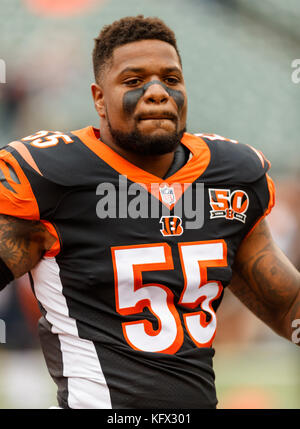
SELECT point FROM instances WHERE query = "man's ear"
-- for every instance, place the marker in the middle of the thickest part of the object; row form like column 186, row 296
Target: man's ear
column 98, row 97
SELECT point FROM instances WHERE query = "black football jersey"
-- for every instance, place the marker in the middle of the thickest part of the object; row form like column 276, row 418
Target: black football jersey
column 130, row 290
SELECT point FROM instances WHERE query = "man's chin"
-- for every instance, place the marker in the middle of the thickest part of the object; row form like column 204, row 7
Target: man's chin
column 157, row 142
column 156, row 134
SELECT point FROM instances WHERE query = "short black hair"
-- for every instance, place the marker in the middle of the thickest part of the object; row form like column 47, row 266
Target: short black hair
column 127, row 30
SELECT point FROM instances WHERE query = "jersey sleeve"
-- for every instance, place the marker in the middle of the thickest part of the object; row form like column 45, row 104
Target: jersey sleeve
column 25, row 192
column 16, row 194
column 238, row 164
column 34, row 175
column 264, row 189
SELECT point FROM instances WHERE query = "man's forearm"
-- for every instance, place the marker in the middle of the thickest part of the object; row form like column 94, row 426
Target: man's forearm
column 279, row 321
column 267, row 282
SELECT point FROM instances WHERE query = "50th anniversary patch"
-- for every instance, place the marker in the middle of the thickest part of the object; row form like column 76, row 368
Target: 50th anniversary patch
column 228, row 205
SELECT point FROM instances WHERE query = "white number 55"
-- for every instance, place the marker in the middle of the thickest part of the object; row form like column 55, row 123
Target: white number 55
column 132, row 295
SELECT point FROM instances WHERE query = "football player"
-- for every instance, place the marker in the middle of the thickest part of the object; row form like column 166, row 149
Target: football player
column 127, row 273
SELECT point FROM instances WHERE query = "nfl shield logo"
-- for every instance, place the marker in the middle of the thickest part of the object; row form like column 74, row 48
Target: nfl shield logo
column 167, row 195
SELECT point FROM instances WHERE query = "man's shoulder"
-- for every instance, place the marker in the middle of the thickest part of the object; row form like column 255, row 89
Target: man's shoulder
column 208, row 137
column 232, row 161
column 58, row 156
column 36, row 171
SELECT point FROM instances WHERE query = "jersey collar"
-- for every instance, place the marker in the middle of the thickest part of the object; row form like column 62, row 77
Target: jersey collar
column 183, row 178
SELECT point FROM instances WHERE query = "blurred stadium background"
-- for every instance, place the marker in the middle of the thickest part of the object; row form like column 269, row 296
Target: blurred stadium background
column 237, row 57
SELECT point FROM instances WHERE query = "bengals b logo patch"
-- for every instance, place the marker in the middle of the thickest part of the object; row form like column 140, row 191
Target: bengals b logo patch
column 171, row 225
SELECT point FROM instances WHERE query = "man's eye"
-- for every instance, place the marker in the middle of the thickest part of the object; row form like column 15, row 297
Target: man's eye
column 172, row 80
column 132, row 82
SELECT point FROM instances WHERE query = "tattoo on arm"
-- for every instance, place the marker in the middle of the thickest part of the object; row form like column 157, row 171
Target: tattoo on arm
column 266, row 281
column 22, row 243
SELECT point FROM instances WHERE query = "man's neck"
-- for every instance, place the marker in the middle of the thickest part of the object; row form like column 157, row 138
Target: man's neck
column 158, row 165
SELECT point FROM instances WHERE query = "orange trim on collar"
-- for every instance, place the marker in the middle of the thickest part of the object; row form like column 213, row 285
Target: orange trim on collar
column 181, row 180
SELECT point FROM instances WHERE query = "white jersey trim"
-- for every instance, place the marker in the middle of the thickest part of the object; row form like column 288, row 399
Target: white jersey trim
column 87, row 387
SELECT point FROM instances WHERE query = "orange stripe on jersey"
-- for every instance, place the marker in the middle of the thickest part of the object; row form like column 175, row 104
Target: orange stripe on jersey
column 194, row 168
column 271, row 188
column 19, row 200
column 167, row 225
column 55, row 249
column 24, row 152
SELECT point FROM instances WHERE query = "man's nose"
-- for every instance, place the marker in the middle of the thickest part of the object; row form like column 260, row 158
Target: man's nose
column 156, row 93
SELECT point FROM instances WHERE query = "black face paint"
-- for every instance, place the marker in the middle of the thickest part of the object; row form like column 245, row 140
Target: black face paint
column 131, row 98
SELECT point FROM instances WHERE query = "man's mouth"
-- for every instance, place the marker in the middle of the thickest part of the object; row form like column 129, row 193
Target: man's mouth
column 157, row 117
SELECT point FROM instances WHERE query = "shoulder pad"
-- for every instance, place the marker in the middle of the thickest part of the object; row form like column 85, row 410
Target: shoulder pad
column 50, row 154
column 234, row 162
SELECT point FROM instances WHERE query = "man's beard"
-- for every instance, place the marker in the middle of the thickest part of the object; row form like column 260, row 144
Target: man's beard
column 138, row 143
